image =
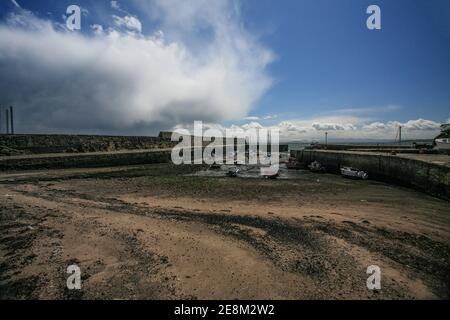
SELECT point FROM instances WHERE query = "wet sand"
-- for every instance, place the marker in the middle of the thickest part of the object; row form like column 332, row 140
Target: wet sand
column 165, row 232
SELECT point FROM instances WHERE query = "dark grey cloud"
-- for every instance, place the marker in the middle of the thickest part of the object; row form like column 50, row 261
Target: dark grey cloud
column 119, row 82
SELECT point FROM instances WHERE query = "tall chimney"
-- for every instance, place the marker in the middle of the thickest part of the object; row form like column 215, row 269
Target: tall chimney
column 11, row 114
column 7, row 121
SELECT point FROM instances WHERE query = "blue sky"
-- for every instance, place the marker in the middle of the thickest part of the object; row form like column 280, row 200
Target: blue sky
column 329, row 60
column 304, row 63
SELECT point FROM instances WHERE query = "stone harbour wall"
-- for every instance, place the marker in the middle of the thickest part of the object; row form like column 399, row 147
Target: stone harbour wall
column 36, row 144
column 86, row 160
column 431, row 178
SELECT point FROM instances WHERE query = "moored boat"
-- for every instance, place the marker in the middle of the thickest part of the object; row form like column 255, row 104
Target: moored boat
column 270, row 173
column 233, row 172
column 316, row 167
column 353, row 173
column 215, row 166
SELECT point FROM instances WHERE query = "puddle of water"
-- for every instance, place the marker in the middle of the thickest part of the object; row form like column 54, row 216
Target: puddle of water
column 248, row 172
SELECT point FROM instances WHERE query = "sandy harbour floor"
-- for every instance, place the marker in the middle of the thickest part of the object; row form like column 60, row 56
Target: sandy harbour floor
column 161, row 232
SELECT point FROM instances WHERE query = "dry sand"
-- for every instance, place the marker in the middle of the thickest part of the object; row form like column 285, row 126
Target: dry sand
column 151, row 232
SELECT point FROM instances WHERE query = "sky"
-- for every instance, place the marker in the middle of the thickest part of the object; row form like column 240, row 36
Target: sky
column 304, row 66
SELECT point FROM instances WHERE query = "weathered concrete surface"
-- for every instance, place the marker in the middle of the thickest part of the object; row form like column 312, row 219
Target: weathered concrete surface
column 84, row 160
column 429, row 173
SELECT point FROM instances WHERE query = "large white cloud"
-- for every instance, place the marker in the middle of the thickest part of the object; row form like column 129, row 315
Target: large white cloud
column 332, row 126
column 129, row 22
column 122, row 82
column 344, row 128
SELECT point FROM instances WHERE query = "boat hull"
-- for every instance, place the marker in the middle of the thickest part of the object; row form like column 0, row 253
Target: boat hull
column 354, row 174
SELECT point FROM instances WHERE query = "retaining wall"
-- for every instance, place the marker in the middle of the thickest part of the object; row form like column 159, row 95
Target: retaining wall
column 428, row 177
column 35, row 143
column 85, row 160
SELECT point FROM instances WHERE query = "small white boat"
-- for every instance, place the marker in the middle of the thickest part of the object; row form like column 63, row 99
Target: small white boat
column 316, row 167
column 270, row 173
column 353, row 173
column 443, row 144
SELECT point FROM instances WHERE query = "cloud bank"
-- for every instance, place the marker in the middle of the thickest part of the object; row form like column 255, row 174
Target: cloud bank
column 197, row 63
column 350, row 128
column 129, row 22
column 118, row 80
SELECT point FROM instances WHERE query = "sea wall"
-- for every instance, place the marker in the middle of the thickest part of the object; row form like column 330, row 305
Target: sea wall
column 361, row 147
column 425, row 176
column 41, row 144
column 85, row 160
column 34, row 143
